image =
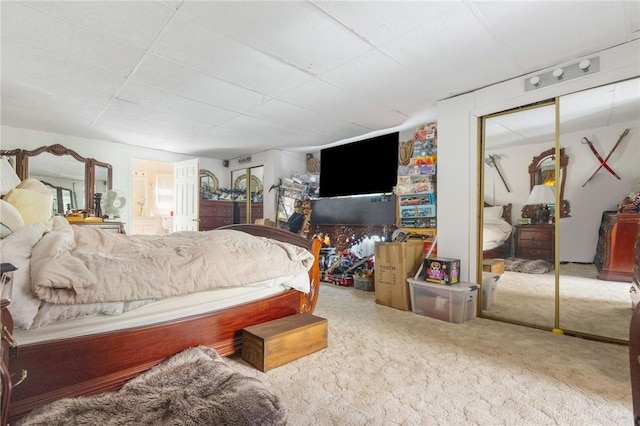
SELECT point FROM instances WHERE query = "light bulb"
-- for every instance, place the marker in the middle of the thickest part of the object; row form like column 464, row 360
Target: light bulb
column 557, row 73
column 584, row 65
column 535, row 81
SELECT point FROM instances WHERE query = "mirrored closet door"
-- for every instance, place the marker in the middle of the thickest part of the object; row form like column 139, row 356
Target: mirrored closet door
column 581, row 288
column 596, row 242
column 518, row 148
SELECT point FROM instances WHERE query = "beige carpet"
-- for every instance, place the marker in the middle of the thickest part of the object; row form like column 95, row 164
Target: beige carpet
column 587, row 305
column 389, row 367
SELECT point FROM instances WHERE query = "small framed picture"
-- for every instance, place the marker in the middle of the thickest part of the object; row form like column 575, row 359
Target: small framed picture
column 524, row 221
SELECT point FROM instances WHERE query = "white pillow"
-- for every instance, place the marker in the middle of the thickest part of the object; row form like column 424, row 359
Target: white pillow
column 33, row 200
column 494, row 212
column 16, row 249
column 10, row 219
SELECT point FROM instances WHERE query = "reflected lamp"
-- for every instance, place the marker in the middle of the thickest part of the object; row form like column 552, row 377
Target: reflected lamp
column 542, row 196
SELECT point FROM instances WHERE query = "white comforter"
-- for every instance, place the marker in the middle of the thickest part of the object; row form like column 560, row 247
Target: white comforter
column 87, row 265
column 494, row 233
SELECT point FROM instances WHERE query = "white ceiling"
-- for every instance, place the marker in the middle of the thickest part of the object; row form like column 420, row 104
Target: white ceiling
column 226, row 79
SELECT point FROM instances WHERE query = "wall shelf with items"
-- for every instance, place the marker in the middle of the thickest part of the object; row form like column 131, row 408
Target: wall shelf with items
column 416, row 188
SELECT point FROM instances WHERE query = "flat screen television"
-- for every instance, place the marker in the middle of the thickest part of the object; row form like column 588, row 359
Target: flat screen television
column 369, row 166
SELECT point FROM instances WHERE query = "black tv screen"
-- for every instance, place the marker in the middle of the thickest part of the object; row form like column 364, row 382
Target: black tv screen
column 369, row 166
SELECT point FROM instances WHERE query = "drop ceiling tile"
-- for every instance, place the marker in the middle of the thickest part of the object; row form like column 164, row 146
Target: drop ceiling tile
column 136, row 22
column 384, row 80
column 135, row 117
column 156, row 99
column 181, row 80
column 294, row 117
column 453, row 55
column 48, row 79
column 65, row 119
column 325, row 98
column 57, row 37
column 305, row 36
column 382, row 21
column 538, row 34
column 197, row 46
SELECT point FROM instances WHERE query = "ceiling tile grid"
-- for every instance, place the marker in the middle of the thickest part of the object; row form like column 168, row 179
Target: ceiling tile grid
column 226, row 79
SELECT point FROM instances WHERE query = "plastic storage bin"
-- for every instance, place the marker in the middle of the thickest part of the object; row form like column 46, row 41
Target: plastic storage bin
column 454, row 303
column 489, row 289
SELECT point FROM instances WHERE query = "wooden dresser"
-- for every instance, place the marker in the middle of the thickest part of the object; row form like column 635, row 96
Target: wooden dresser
column 615, row 255
column 215, row 213
column 6, row 341
column 535, row 242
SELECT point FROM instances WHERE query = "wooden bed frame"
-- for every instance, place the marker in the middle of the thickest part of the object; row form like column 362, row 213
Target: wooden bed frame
column 504, row 250
column 105, row 361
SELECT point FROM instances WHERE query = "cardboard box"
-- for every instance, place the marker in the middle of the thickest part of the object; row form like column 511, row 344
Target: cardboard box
column 441, row 270
column 493, row 265
column 394, row 263
column 263, row 221
column 454, row 303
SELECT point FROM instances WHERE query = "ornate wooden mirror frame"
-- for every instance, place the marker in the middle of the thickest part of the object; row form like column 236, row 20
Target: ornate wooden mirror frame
column 90, row 164
column 535, row 179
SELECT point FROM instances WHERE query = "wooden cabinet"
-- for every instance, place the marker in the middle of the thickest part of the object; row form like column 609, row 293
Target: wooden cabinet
column 615, row 254
column 535, row 242
column 215, row 213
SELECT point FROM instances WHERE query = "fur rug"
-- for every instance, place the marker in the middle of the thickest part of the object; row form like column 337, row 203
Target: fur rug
column 527, row 266
column 194, row 387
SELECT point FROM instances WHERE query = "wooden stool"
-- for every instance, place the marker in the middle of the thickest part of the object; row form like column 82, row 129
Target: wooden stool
column 493, row 265
column 274, row 343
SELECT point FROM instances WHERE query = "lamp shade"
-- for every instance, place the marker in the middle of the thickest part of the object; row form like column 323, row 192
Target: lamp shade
column 8, row 177
column 542, row 194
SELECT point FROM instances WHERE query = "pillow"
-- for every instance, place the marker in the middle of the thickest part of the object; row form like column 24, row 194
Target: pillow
column 10, row 219
column 16, row 249
column 33, row 200
column 494, row 212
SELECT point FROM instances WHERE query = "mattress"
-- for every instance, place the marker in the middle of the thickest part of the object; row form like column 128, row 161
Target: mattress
column 159, row 311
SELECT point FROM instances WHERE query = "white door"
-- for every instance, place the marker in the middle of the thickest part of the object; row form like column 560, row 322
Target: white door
column 186, row 183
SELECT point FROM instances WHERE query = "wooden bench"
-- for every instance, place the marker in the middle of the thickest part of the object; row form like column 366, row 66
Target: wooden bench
column 274, row 343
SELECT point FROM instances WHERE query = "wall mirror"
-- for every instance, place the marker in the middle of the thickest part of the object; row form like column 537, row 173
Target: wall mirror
column 64, row 168
column 542, row 172
column 208, row 185
column 570, row 296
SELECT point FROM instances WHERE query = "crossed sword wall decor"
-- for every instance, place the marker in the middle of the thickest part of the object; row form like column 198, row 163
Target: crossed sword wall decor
column 603, row 162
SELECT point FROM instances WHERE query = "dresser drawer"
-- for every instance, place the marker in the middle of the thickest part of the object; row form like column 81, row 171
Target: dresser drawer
column 534, row 244
column 535, row 253
column 218, row 209
column 534, row 235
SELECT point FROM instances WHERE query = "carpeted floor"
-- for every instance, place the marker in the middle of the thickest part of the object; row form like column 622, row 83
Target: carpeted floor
column 587, row 305
column 384, row 366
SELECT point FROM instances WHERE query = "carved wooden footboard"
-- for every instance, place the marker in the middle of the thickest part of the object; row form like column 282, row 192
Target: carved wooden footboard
column 105, row 361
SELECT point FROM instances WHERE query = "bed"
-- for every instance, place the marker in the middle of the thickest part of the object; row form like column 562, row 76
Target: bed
column 65, row 359
column 496, row 231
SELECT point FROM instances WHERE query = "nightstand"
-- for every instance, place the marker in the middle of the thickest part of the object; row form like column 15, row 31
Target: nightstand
column 535, row 242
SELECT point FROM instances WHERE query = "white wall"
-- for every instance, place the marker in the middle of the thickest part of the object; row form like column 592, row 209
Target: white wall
column 458, row 161
column 118, row 155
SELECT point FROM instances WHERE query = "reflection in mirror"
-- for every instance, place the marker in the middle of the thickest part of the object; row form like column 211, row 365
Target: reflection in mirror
column 208, row 185
column 63, row 172
column 596, row 242
column 65, row 168
column 64, row 199
column 542, row 172
column 247, row 184
column 519, row 271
